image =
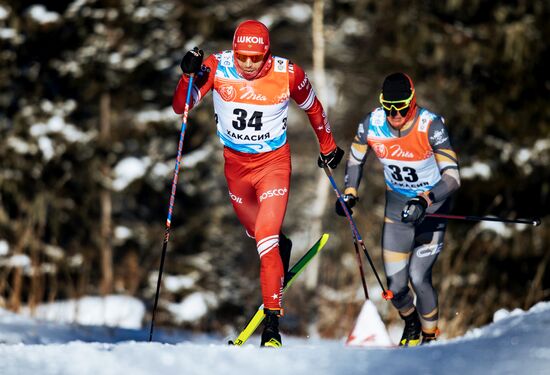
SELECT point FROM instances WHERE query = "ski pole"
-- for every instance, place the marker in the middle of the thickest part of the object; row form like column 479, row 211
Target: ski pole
column 361, row 272
column 386, row 294
column 171, row 205
column 534, row 221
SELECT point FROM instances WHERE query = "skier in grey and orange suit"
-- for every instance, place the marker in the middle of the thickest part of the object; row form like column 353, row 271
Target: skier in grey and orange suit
column 421, row 173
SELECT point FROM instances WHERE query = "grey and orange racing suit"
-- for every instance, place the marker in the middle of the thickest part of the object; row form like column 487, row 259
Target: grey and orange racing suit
column 417, row 160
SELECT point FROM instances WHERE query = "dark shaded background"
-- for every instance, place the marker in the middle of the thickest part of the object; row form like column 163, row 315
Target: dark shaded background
column 109, row 69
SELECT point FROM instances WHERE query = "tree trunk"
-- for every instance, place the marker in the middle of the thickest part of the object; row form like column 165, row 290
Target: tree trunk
column 106, row 249
column 36, row 292
column 17, row 279
column 322, row 192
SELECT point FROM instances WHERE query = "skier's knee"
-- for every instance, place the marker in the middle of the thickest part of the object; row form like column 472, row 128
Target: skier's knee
column 402, row 298
column 399, row 286
column 420, row 281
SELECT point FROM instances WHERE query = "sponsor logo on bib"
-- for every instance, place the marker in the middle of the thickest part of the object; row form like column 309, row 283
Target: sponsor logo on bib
column 378, row 117
column 280, row 66
column 247, row 92
column 380, row 150
column 227, row 92
column 397, row 151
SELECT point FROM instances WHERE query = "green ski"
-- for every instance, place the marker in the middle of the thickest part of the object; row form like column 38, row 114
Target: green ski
column 292, row 274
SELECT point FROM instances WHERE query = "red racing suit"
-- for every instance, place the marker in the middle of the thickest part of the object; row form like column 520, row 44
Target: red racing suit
column 251, row 119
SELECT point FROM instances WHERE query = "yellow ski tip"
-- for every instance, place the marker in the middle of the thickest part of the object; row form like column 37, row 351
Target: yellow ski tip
column 324, row 239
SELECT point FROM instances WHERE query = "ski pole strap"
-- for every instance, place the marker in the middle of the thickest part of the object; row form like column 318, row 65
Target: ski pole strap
column 534, row 221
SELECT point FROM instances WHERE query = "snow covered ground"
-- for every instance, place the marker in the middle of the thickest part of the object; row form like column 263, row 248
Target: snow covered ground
column 516, row 343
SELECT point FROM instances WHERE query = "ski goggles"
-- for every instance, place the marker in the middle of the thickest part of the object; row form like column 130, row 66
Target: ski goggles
column 254, row 58
column 401, row 106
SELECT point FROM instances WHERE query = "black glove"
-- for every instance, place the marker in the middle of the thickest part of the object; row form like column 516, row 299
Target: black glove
column 331, row 159
column 349, row 200
column 414, row 210
column 192, row 61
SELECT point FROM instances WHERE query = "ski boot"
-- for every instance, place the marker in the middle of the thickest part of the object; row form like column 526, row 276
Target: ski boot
column 270, row 336
column 411, row 332
column 285, row 246
column 429, row 337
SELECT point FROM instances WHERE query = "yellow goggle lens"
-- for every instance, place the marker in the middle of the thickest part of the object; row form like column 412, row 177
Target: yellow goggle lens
column 397, row 104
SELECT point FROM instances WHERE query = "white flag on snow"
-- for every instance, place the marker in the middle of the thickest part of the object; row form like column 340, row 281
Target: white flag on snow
column 369, row 329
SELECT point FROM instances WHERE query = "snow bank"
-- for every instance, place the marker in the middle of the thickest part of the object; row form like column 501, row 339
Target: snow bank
column 112, row 311
column 515, row 344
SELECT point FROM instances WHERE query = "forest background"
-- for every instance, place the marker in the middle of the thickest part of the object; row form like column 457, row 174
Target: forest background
column 88, row 145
